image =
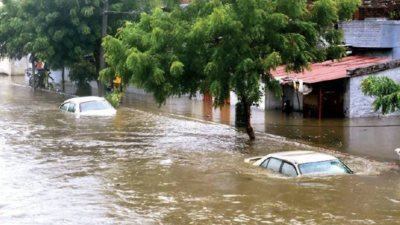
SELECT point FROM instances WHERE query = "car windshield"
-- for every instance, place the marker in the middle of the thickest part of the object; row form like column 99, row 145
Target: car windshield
column 94, row 105
column 331, row 167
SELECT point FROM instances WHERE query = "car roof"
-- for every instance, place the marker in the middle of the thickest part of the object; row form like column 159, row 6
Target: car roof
column 301, row 157
column 85, row 99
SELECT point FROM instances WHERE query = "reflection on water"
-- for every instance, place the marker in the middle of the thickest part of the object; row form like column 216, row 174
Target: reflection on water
column 373, row 137
column 150, row 167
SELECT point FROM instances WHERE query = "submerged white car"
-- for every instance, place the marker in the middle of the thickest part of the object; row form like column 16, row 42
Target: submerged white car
column 297, row 163
column 93, row 105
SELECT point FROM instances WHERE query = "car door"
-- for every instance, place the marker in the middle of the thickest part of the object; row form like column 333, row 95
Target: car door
column 288, row 169
column 64, row 107
column 71, row 107
column 280, row 166
column 274, row 164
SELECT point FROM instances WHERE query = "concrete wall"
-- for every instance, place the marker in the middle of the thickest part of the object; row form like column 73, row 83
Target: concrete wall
column 296, row 101
column 360, row 105
column 272, row 102
column 292, row 95
column 346, row 98
column 57, row 75
column 261, row 104
column 5, row 67
column 372, row 34
column 233, row 96
column 16, row 67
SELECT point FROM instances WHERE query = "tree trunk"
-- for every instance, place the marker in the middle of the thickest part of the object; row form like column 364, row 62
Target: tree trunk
column 63, row 78
column 249, row 129
column 33, row 75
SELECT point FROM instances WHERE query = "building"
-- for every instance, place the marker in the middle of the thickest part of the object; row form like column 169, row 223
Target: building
column 372, row 37
column 378, row 9
column 333, row 87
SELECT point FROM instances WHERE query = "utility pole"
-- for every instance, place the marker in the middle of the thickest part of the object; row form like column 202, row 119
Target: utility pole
column 102, row 66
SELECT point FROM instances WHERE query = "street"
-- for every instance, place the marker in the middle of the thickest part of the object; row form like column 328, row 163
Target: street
column 147, row 166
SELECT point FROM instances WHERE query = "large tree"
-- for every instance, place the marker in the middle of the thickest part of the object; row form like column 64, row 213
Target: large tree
column 61, row 32
column 225, row 45
column 57, row 32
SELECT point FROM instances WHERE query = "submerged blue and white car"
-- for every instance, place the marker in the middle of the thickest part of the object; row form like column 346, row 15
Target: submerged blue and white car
column 298, row 163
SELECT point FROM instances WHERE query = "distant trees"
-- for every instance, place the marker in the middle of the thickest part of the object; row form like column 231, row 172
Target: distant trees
column 386, row 91
column 225, row 45
column 61, row 33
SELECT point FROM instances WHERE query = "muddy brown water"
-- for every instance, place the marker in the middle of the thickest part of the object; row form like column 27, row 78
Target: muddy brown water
column 155, row 167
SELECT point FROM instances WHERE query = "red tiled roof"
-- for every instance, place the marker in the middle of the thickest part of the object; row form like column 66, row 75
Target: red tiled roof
column 329, row 70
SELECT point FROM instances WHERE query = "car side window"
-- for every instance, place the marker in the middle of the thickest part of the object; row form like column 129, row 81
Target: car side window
column 71, row 107
column 64, row 106
column 265, row 163
column 274, row 164
column 289, row 170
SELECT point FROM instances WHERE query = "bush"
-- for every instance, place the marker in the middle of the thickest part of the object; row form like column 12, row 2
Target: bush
column 83, row 72
column 114, row 98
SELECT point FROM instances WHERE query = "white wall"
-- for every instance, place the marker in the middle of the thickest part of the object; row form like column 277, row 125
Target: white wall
column 16, row 67
column 272, row 102
column 361, row 105
column 234, row 98
column 291, row 94
column 57, row 75
column 5, row 66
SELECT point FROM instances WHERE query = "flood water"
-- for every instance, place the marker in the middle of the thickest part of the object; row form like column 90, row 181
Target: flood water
column 149, row 166
column 375, row 138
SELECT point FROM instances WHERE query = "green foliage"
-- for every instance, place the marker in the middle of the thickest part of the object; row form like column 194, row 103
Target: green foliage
column 291, row 8
column 324, row 13
column 149, row 56
column 386, row 91
column 169, row 5
column 274, row 86
column 114, row 98
column 61, row 32
column 15, row 32
column 346, row 8
column 47, row 80
column 83, row 72
column 394, row 15
column 221, row 46
column 240, row 115
column 56, row 31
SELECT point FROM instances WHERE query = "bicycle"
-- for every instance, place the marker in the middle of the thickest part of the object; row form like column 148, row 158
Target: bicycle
column 42, row 77
column 29, row 74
